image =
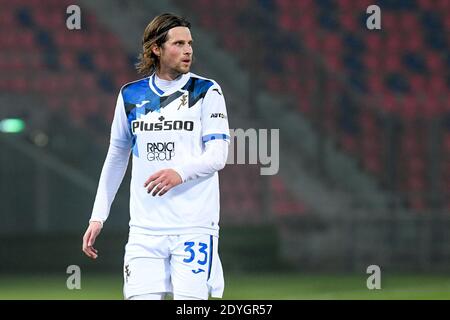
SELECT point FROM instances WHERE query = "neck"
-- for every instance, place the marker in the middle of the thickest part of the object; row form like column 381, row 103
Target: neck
column 167, row 75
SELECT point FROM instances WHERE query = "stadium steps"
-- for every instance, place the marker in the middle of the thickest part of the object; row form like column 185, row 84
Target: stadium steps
column 341, row 170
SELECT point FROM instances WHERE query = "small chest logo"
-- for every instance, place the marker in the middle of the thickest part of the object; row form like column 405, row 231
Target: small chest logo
column 183, row 101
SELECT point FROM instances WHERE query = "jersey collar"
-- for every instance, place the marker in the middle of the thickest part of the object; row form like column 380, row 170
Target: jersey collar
column 180, row 84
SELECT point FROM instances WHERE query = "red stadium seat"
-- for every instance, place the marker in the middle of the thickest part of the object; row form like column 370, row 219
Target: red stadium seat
column 394, row 45
column 426, row 4
column 68, row 60
column 291, row 63
column 305, row 6
column 417, row 83
column 411, row 146
column 389, row 103
column 274, row 84
column 304, row 25
column 361, row 5
column 348, row 21
column 443, row 6
column 288, row 22
column 375, row 43
column 431, row 106
column 345, row 5
column 415, row 183
column 436, row 85
column 373, row 165
column 416, row 166
column 375, row 84
column 283, row 202
column 392, row 63
column 390, row 22
column 283, row 4
column 231, row 42
column 103, row 61
column 331, row 43
column 408, row 22
column 349, row 143
column 409, row 108
column 434, row 62
column 334, row 63
column 447, row 144
column 417, row 203
column 8, row 19
column 18, row 85
column 293, row 84
column 373, row 62
column 413, row 42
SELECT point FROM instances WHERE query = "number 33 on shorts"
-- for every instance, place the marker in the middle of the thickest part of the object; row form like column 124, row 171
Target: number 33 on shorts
column 202, row 253
column 197, row 269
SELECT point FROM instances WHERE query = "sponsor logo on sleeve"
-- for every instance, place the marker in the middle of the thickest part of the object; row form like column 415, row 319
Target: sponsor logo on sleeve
column 218, row 115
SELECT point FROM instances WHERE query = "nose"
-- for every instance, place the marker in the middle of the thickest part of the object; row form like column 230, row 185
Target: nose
column 188, row 50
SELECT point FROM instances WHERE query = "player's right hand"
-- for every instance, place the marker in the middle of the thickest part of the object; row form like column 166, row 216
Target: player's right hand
column 89, row 239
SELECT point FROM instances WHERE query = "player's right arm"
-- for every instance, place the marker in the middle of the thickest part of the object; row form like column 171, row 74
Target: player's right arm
column 89, row 239
column 113, row 171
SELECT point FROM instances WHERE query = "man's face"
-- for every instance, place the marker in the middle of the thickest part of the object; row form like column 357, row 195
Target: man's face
column 176, row 52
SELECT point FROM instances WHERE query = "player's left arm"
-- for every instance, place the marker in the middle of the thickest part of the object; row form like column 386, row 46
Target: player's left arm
column 216, row 139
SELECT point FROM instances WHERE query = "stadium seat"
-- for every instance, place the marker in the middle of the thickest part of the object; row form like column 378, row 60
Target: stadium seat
column 417, row 83
column 409, row 108
column 284, row 203
column 436, row 85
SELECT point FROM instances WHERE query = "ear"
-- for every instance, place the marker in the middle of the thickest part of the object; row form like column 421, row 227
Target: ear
column 156, row 50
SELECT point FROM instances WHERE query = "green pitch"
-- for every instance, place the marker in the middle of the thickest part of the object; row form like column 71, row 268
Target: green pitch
column 244, row 286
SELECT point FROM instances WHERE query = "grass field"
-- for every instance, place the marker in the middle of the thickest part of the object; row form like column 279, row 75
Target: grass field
column 260, row 286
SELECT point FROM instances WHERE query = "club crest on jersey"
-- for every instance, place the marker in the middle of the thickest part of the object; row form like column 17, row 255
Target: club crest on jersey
column 183, row 101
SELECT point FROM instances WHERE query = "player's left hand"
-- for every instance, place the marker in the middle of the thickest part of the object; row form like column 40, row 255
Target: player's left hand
column 162, row 181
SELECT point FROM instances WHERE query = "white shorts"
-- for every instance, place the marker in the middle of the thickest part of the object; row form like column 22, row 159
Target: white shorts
column 187, row 265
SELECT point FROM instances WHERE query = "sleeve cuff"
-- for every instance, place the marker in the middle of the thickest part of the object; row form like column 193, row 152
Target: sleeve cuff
column 180, row 173
column 96, row 220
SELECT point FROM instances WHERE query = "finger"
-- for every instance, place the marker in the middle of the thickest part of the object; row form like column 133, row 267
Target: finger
column 91, row 239
column 91, row 249
column 94, row 252
column 91, row 252
column 154, row 184
column 87, row 251
column 164, row 191
column 152, row 177
column 86, row 238
column 159, row 188
column 86, row 234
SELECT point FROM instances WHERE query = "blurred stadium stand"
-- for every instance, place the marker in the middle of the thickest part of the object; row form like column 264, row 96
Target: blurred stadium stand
column 364, row 122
